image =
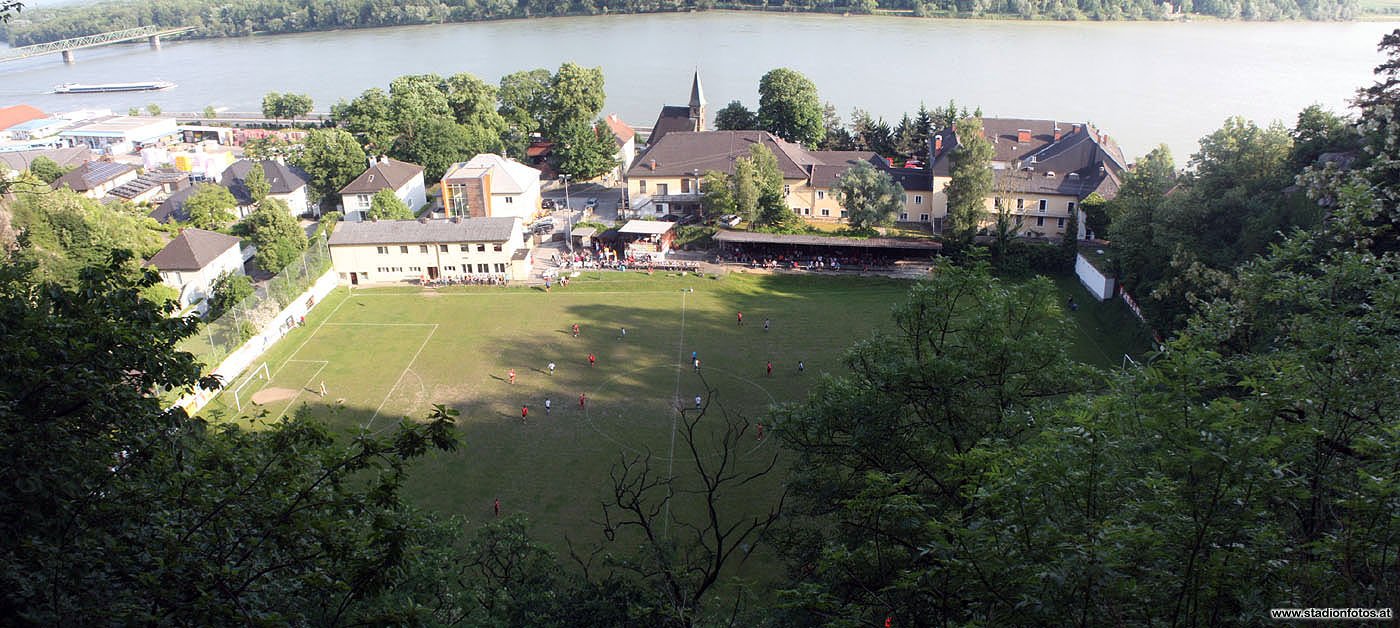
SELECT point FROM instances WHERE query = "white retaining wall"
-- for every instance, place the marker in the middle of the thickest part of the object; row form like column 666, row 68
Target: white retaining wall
column 244, row 356
column 1097, row 283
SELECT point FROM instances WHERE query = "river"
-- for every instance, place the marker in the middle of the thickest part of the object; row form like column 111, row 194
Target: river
column 1144, row 83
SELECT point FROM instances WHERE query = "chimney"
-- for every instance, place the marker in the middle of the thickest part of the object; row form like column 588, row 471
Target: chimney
column 937, row 145
column 1023, row 136
column 652, row 164
column 1074, row 128
column 1057, row 133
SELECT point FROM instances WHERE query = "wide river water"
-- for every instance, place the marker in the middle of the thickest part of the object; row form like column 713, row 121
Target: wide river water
column 1144, row 83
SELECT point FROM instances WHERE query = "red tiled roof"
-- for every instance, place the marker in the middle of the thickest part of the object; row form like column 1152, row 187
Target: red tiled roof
column 620, row 129
column 10, row 116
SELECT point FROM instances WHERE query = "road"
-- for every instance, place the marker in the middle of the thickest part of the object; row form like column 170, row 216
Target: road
column 608, row 200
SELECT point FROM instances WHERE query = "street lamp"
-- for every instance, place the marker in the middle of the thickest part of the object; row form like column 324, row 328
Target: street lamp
column 568, row 229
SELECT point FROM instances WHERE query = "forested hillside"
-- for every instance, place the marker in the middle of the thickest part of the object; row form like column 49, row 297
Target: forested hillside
column 233, row 18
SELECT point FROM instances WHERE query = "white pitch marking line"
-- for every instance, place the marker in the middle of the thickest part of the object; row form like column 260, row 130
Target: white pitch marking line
column 293, row 400
column 401, row 376
column 676, row 399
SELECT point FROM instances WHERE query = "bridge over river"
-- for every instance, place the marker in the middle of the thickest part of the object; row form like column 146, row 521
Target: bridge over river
column 67, row 46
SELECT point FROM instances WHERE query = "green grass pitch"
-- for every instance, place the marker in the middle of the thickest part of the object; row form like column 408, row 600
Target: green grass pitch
column 388, row 353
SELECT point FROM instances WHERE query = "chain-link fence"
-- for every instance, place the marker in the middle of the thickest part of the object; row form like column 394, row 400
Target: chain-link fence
column 221, row 336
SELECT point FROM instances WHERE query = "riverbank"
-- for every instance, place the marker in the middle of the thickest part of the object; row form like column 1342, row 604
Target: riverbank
column 213, row 18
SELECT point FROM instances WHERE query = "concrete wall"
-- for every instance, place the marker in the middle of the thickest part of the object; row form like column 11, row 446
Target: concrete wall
column 1101, row 285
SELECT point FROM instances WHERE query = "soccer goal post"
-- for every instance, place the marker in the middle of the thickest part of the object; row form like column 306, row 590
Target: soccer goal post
column 259, row 370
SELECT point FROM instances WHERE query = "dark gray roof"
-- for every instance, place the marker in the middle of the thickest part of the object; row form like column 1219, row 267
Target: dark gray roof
column 193, row 249
column 681, row 153
column 423, row 232
column 281, row 178
column 388, row 174
column 92, row 174
column 65, row 157
column 172, row 209
column 751, row 237
column 1082, row 160
column 671, row 119
column 836, row 162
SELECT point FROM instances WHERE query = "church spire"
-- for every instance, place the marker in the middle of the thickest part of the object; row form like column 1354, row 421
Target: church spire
column 697, row 102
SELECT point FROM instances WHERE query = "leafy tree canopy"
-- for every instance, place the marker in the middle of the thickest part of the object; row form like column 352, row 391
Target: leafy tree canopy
column 735, row 117
column 385, row 205
column 788, row 107
column 332, row 158
column 870, row 197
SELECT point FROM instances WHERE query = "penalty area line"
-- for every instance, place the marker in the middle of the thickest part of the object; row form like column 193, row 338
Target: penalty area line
column 398, row 381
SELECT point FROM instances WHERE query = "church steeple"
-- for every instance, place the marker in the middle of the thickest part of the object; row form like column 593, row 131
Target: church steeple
column 697, row 102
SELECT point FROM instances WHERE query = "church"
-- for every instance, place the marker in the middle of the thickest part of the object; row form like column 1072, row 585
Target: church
column 678, row 118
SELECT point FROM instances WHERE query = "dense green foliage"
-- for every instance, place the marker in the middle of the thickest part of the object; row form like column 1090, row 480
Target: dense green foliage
column 276, row 234
column 46, row 169
column 735, row 117
column 211, row 206
column 229, row 290
column 64, row 232
column 970, row 172
column 385, row 205
column 286, row 106
column 789, row 108
column 332, row 158
column 246, row 17
column 871, row 197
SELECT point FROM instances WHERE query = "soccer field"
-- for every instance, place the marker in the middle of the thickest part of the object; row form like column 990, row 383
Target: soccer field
column 383, row 354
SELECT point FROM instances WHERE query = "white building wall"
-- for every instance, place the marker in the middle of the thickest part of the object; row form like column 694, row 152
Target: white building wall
column 414, row 193
column 524, row 206
column 197, row 285
column 405, row 262
column 1096, row 282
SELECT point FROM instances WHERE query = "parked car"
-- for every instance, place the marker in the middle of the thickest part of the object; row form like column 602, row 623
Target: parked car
column 688, row 219
column 547, row 203
column 592, row 203
column 543, row 226
column 729, row 220
column 670, row 218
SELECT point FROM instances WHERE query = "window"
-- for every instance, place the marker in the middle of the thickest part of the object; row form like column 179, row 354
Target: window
column 510, row 200
column 807, row 211
column 362, row 201
column 442, row 248
column 483, row 268
column 685, row 186
column 843, row 213
column 662, row 189
column 787, row 189
column 821, row 194
column 918, row 199
column 996, row 202
column 826, row 212
column 422, row 248
column 481, row 248
column 1018, row 220
column 449, row 268
column 1040, row 221
column 382, row 250
column 1020, row 203
column 1070, row 207
column 660, row 208
column 500, row 268
column 465, row 248
column 415, row 269
column 1043, row 204
column 496, row 247
column 642, row 186
column 937, row 225
column 382, row 269
column 923, row 217
column 904, row 216
column 403, row 249
column 1060, row 222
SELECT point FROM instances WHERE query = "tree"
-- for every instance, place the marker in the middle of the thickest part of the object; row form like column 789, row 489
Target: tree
column 1133, row 218
column 717, row 195
column 272, row 105
column 227, row 291
column 256, row 183
column 385, row 205
column 369, row 118
column 276, row 234
column 575, row 97
column 890, row 456
column 870, row 134
column 758, row 190
column 870, row 197
column 210, row 112
column 970, row 181
column 333, row 159
column 836, row 136
column 789, row 108
column 442, row 142
column 153, row 109
column 296, row 105
column 211, row 207
column 585, row 151
column 59, row 233
column 735, row 117
column 9, row 9
column 415, row 101
column 46, row 169
column 133, row 111
column 524, row 98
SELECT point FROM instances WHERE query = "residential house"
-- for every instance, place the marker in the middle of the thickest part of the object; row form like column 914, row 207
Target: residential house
column 491, row 186
column 1043, row 171
column 405, row 179
column 95, row 179
column 194, row 260
column 665, row 179
column 626, row 138
column 383, row 251
column 285, row 183
column 676, row 118
column 16, row 115
column 119, row 135
column 172, row 209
